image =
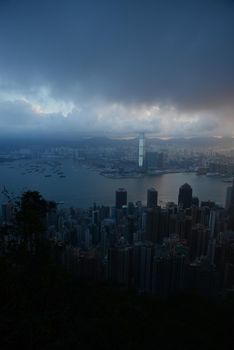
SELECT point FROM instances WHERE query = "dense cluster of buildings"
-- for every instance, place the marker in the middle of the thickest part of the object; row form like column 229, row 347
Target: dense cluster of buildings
column 184, row 246
column 162, row 250
column 141, row 154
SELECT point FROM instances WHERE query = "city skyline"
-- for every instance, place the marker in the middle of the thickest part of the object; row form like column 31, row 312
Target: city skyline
column 153, row 249
column 116, row 174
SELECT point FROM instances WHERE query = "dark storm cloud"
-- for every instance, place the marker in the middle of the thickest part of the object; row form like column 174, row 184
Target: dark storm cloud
column 168, row 52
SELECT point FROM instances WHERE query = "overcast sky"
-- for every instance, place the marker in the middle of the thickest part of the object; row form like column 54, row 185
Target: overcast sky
column 70, row 66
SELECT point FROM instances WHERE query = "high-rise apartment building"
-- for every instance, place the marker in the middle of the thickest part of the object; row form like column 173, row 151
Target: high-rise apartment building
column 120, row 198
column 152, row 198
column 185, row 196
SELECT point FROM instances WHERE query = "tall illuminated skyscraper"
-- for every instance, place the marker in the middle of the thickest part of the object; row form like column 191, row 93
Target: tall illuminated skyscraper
column 141, row 154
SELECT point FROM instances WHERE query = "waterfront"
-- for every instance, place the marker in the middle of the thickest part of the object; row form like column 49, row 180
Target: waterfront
column 79, row 186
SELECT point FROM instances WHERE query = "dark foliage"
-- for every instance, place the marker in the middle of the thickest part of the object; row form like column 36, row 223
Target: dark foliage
column 42, row 307
column 31, row 213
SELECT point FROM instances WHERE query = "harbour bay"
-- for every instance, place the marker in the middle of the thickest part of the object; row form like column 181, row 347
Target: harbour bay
column 78, row 186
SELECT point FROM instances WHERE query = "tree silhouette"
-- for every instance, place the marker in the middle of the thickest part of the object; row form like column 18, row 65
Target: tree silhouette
column 31, row 214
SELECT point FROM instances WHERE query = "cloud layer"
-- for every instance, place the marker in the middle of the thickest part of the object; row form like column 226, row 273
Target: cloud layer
column 163, row 66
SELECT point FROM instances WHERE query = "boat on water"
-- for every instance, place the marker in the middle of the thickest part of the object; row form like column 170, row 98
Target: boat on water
column 228, row 179
column 122, row 176
column 155, row 172
column 201, row 171
column 212, row 174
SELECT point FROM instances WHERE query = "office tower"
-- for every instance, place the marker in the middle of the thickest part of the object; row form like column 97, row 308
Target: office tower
column 142, row 265
column 228, row 198
column 104, row 212
column 209, row 204
column 160, row 160
column 185, row 196
column 108, row 235
column 157, row 224
column 154, row 160
column 95, row 217
column 231, row 209
column 168, row 274
column 152, row 198
column 204, row 217
column 95, row 234
column 177, row 279
column 164, row 220
column 152, row 220
column 183, row 225
column 88, row 267
column 195, row 202
column 146, row 268
column 195, row 214
column 212, row 222
column 120, row 198
column 7, row 212
column 130, row 229
column 198, row 241
column 120, row 265
column 131, row 208
column 87, row 239
column 201, row 278
column 151, row 159
column 211, row 250
column 228, row 279
column 232, row 194
column 141, row 150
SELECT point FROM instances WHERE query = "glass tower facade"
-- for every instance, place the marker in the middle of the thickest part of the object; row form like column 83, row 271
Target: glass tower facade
column 141, row 153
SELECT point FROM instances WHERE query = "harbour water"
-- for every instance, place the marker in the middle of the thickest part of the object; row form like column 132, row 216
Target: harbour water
column 75, row 185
